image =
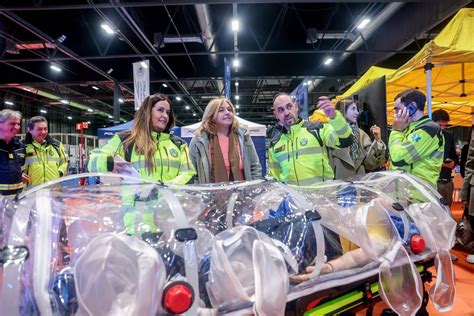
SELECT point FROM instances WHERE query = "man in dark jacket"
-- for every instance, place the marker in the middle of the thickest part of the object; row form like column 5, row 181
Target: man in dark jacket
column 445, row 181
column 12, row 154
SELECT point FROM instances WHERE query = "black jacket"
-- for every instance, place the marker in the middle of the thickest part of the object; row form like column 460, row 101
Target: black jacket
column 12, row 158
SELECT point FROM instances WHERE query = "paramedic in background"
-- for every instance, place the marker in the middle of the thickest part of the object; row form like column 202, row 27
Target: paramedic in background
column 46, row 158
column 297, row 153
column 12, row 153
column 416, row 144
column 445, row 180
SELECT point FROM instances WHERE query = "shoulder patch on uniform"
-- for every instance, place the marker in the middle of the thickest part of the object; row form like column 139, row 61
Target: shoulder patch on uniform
column 415, row 137
column 173, row 152
column 304, row 141
column 178, row 141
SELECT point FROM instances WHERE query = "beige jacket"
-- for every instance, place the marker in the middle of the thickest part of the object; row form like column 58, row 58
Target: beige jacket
column 467, row 191
column 371, row 155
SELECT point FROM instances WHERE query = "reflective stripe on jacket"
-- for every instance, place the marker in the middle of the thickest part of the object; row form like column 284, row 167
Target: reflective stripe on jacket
column 172, row 162
column 12, row 158
column 419, row 149
column 299, row 156
column 45, row 162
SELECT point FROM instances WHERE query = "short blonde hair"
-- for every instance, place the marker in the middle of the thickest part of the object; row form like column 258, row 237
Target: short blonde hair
column 210, row 114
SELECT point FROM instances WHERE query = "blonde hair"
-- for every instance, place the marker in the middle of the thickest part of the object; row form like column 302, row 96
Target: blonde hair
column 210, row 114
column 140, row 134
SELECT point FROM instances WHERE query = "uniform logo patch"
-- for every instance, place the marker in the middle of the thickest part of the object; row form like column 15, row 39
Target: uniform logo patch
column 304, row 141
column 415, row 137
column 173, row 152
column 280, row 149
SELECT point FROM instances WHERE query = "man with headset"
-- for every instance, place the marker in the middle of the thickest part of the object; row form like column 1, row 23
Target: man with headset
column 416, row 143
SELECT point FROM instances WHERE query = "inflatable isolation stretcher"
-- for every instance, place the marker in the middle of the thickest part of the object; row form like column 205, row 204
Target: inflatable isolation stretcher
column 141, row 248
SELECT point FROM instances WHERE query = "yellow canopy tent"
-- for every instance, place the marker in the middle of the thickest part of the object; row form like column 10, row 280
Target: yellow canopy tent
column 449, row 74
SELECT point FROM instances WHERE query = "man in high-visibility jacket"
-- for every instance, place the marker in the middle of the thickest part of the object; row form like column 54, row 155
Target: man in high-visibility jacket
column 12, row 153
column 46, row 158
column 416, row 143
column 297, row 152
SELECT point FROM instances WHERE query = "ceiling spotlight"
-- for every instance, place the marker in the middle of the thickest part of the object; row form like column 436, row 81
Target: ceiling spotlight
column 88, row 122
column 236, row 63
column 236, row 83
column 95, row 87
column 328, row 61
column 90, row 110
column 144, row 65
column 110, row 71
column 63, row 101
column 8, row 103
column 110, row 116
column 194, row 114
column 363, row 24
column 43, row 111
column 55, row 68
column 235, row 25
column 120, row 100
column 237, row 97
column 187, row 107
column 237, row 113
column 178, row 99
column 164, row 85
column 237, row 106
column 309, row 82
column 69, row 118
column 107, row 28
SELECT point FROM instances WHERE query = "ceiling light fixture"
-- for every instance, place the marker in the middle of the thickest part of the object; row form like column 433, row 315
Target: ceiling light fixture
column 328, row 61
column 43, row 111
column 55, row 68
column 90, row 110
column 236, row 63
column 164, row 85
column 178, row 99
column 88, row 122
column 235, row 25
column 69, row 118
column 63, row 101
column 363, row 24
column 120, row 100
column 8, row 103
column 187, row 107
column 95, row 87
column 309, row 82
column 237, row 97
column 237, row 106
column 236, row 83
column 110, row 116
column 194, row 114
column 107, row 28
column 144, row 65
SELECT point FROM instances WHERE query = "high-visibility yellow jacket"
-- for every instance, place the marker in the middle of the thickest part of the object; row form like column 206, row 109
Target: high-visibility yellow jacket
column 172, row 166
column 12, row 158
column 418, row 149
column 44, row 162
column 172, row 163
column 299, row 156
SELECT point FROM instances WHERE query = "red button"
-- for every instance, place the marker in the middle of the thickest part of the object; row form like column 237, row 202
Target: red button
column 178, row 298
column 417, row 244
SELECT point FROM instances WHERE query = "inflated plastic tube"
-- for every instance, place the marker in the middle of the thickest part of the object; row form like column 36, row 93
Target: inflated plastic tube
column 42, row 253
column 10, row 298
column 190, row 256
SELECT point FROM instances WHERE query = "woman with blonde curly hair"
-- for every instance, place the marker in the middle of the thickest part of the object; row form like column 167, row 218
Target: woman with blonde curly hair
column 222, row 151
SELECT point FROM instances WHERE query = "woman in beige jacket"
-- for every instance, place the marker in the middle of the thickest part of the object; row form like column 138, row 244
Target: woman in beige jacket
column 364, row 154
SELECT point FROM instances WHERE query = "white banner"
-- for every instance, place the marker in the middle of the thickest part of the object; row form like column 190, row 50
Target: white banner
column 141, row 81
